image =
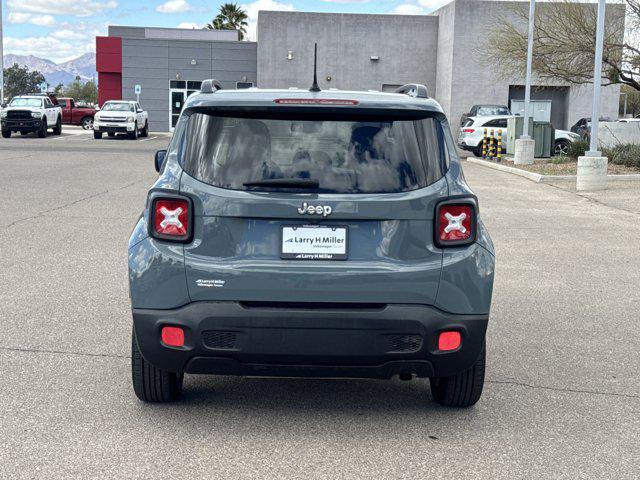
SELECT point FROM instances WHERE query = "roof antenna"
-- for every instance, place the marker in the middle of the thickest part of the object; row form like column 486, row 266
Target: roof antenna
column 315, row 87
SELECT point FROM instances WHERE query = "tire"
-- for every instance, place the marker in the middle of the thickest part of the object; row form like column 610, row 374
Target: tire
column 478, row 151
column 97, row 135
column 134, row 135
column 87, row 123
column 111, row 134
column 145, row 131
column 6, row 133
column 561, row 147
column 463, row 389
column 152, row 384
column 42, row 133
column 57, row 130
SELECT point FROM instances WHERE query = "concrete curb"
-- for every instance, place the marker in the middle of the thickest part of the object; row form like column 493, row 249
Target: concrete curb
column 537, row 178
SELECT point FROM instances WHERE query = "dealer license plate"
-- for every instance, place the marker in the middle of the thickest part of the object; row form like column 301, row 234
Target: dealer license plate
column 314, row 242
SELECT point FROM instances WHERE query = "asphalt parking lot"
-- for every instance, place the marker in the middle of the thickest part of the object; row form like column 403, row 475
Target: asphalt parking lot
column 562, row 398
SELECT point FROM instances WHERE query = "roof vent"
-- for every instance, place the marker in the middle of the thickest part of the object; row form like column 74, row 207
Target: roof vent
column 210, row 85
column 414, row 90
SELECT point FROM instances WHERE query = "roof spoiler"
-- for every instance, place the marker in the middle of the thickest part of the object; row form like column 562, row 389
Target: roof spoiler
column 210, row 85
column 414, row 90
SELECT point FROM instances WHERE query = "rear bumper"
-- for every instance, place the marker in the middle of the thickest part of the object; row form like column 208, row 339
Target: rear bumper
column 229, row 338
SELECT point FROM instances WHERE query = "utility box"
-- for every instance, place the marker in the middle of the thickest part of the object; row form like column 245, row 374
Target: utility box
column 544, row 136
column 542, row 132
column 514, row 131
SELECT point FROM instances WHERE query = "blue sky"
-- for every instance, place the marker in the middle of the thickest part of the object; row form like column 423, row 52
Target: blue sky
column 63, row 29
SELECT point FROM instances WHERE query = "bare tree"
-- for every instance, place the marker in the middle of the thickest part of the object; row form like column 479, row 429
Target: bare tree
column 564, row 42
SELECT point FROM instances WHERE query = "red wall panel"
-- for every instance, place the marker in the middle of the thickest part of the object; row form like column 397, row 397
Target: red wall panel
column 109, row 87
column 109, row 68
column 109, row 54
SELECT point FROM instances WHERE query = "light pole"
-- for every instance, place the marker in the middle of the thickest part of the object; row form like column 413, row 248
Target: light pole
column 527, row 88
column 1, row 59
column 592, row 168
column 525, row 146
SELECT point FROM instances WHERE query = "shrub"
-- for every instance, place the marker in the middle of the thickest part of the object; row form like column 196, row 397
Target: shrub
column 577, row 148
column 627, row 154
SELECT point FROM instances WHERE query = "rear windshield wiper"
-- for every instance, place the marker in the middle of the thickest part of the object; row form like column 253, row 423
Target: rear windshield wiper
column 285, row 183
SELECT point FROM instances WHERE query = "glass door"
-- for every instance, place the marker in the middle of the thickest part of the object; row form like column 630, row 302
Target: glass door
column 176, row 100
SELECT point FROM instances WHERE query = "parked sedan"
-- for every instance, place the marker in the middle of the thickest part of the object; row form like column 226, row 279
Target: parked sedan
column 471, row 134
column 485, row 110
column 583, row 126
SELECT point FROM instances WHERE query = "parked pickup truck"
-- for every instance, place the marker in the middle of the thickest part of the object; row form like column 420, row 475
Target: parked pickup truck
column 72, row 114
column 121, row 116
column 31, row 114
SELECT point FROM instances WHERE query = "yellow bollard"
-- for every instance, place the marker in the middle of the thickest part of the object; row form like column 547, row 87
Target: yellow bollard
column 491, row 144
column 499, row 152
column 484, row 144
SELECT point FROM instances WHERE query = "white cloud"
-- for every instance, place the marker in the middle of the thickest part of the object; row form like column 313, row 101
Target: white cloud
column 419, row 7
column 79, row 8
column 174, row 6
column 47, row 47
column 409, row 9
column 346, row 1
column 190, row 25
column 66, row 34
column 252, row 10
column 39, row 20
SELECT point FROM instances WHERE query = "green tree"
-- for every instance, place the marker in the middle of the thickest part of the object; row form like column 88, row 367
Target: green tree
column 21, row 81
column 231, row 17
column 82, row 92
column 632, row 97
column 89, row 92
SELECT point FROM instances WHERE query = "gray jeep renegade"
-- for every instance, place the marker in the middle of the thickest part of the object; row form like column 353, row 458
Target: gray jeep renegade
column 308, row 233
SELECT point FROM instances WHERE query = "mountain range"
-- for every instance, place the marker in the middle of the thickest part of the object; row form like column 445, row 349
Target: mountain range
column 55, row 73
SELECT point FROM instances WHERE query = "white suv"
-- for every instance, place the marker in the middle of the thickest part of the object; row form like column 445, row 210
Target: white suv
column 471, row 133
column 31, row 114
column 121, row 116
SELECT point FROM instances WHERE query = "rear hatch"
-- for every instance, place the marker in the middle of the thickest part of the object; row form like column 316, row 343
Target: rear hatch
column 317, row 209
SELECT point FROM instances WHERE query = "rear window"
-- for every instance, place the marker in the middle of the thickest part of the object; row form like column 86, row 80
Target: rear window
column 343, row 156
column 493, row 110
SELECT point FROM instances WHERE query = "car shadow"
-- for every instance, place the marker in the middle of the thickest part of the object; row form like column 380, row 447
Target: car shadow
column 280, row 395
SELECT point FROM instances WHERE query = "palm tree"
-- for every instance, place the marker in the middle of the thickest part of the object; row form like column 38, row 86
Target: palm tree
column 231, row 17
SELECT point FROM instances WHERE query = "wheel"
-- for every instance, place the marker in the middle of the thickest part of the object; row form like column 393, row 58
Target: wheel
column 57, row 130
column 111, row 134
column 478, row 150
column 42, row 133
column 87, row 123
column 97, row 135
column 134, row 135
column 145, row 131
column 463, row 389
column 152, row 384
column 561, row 147
column 6, row 133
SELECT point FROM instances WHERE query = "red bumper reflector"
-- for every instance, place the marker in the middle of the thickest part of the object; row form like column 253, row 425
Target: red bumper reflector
column 449, row 341
column 173, row 336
